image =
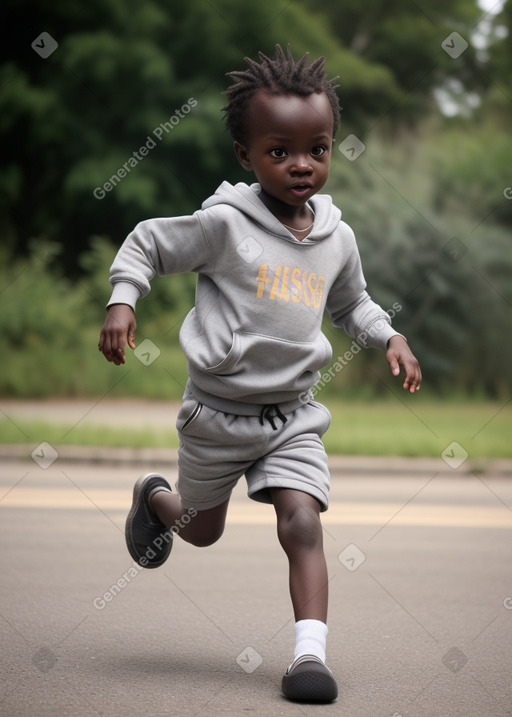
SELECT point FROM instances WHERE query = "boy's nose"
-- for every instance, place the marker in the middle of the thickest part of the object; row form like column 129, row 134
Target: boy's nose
column 301, row 164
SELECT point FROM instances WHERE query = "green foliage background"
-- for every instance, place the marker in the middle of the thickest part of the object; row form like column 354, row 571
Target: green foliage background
column 427, row 199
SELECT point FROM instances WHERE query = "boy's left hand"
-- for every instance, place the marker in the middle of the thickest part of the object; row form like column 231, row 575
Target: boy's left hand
column 398, row 353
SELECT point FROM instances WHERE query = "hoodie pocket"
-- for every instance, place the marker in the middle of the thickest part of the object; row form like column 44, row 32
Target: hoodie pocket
column 275, row 363
column 229, row 362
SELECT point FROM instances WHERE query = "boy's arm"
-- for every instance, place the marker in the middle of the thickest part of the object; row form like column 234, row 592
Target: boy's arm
column 399, row 354
column 118, row 330
column 156, row 246
column 351, row 308
column 371, row 326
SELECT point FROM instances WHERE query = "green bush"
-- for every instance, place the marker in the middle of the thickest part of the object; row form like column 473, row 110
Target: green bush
column 449, row 270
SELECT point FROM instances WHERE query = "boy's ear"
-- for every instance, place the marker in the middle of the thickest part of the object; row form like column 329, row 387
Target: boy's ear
column 243, row 156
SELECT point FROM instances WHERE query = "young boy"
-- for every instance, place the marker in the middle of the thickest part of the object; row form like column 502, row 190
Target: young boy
column 270, row 258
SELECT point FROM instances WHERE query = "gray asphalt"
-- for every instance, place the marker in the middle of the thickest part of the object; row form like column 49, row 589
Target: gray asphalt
column 420, row 611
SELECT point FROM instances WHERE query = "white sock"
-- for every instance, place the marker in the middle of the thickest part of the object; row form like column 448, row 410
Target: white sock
column 310, row 638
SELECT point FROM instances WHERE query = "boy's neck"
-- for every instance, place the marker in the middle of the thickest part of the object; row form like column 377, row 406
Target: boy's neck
column 286, row 214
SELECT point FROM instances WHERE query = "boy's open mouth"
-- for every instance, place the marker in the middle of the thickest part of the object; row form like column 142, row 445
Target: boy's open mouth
column 300, row 189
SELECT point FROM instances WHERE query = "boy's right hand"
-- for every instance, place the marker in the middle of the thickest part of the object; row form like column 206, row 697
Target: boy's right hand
column 118, row 330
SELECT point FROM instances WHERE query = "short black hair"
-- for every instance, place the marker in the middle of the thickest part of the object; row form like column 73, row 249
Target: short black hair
column 281, row 75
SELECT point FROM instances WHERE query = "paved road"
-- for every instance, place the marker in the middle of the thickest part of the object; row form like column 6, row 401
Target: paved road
column 420, row 618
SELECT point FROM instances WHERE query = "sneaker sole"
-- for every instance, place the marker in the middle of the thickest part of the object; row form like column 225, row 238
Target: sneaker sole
column 310, row 685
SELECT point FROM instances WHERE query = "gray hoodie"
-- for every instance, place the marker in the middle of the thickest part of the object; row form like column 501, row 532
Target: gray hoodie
column 254, row 335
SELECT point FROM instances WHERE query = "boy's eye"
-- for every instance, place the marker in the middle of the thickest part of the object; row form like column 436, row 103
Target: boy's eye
column 318, row 150
column 278, row 152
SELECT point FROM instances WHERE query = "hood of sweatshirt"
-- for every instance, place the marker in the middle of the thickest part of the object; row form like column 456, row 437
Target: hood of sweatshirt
column 245, row 198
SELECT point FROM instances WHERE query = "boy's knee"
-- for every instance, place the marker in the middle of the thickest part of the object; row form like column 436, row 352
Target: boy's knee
column 204, row 528
column 300, row 528
column 204, row 537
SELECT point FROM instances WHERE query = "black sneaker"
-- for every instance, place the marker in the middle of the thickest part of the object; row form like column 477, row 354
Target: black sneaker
column 148, row 540
column 308, row 679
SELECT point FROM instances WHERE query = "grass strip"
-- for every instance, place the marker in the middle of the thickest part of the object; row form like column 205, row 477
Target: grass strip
column 409, row 429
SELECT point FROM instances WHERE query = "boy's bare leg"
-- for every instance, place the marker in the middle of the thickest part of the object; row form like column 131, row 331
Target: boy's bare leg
column 300, row 534
column 203, row 529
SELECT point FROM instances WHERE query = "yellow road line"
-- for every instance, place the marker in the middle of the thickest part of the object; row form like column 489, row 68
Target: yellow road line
column 250, row 513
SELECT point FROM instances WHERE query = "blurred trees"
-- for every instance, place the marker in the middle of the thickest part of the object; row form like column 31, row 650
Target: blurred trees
column 404, row 37
column 449, row 271
column 121, row 70
column 122, row 122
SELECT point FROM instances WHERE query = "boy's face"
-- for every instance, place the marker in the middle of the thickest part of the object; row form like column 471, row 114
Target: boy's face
column 288, row 146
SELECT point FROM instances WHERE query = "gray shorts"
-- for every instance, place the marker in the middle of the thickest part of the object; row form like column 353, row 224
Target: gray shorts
column 217, row 448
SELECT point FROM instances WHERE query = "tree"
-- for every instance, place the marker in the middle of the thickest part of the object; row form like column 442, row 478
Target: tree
column 498, row 69
column 122, row 120
column 406, row 38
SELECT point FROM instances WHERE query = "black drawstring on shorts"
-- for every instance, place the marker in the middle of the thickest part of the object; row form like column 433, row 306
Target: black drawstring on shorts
column 271, row 411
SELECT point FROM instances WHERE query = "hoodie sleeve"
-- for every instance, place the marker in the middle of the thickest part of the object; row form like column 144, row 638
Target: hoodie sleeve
column 157, row 247
column 350, row 306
